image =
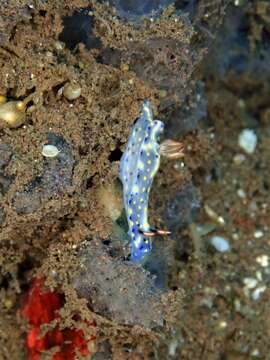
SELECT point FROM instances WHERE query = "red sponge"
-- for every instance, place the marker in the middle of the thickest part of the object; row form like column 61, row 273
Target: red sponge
column 41, row 307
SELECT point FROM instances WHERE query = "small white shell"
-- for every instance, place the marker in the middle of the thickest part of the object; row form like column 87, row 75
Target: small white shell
column 248, row 140
column 50, row 151
column 72, row 91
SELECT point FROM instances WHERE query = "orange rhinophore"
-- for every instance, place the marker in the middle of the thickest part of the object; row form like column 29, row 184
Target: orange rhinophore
column 172, row 149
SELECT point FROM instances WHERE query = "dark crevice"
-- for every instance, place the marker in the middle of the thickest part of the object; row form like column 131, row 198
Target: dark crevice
column 42, row 13
column 78, row 29
column 90, row 182
column 115, row 155
column 57, row 87
column 5, row 282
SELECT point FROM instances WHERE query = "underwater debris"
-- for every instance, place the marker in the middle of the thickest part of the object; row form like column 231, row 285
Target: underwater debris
column 138, row 166
column 121, row 290
column 40, row 307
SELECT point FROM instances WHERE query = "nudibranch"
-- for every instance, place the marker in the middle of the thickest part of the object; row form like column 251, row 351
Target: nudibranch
column 138, row 166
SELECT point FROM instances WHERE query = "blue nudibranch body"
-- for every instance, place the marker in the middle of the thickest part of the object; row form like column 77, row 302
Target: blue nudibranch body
column 138, row 167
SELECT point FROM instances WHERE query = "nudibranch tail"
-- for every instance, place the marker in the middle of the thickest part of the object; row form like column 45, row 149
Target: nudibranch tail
column 138, row 166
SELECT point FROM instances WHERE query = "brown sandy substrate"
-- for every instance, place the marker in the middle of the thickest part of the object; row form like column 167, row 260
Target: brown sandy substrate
column 51, row 209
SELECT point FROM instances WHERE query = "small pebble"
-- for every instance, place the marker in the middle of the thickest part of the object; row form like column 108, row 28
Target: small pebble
column 213, row 215
column 237, row 305
column 162, row 94
column 8, row 304
column 238, row 159
column 263, row 260
column 241, row 193
column 223, row 324
column 248, row 140
column 256, row 294
column 220, row 243
column 58, row 45
column 255, row 352
column 241, row 103
column 125, row 67
column 235, row 236
column 250, row 283
column 258, row 234
column 259, row 275
column 173, row 345
column 50, row 151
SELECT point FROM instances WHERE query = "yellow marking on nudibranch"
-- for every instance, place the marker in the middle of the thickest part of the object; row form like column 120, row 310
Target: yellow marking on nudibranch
column 135, row 189
column 134, row 202
column 149, row 162
column 145, row 225
column 148, row 111
column 148, row 146
column 143, row 189
column 130, row 211
column 145, row 178
column 140, row 165
column 141, row 199
column 139, row 207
